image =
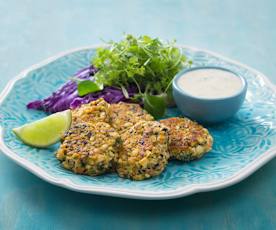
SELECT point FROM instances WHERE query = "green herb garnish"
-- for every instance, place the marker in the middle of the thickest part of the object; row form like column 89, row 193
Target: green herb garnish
column 87, row 86
column 146, row 62
column 155, row 105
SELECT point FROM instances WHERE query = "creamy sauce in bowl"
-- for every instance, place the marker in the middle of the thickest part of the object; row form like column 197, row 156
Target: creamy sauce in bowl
column 210, row 83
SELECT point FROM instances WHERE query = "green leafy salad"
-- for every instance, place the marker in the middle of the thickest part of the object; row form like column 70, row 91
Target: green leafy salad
column 135, row 69
column 147, row 63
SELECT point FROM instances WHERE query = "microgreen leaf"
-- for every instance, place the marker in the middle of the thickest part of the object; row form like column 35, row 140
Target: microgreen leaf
column 145, row 60
column 155, row 105
column 87, row 86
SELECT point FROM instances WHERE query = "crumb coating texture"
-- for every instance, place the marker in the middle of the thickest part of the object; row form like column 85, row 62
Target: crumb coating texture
column 188, row 139
column 95, row 111
column 89, row 148
column 144, row 151
column 125, row 115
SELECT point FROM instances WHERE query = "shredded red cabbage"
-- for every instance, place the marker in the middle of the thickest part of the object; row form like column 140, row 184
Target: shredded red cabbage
column 67, row 96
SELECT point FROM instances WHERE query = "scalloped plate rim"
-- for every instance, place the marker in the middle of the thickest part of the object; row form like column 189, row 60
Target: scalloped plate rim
column 126, row 193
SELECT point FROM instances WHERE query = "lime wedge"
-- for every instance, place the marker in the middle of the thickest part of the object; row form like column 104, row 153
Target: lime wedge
column 45, row 132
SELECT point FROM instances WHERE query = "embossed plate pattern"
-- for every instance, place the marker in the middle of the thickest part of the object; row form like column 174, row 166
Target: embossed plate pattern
column 242, row 145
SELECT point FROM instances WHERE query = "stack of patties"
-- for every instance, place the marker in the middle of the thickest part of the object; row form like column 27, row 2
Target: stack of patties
column 125, row 138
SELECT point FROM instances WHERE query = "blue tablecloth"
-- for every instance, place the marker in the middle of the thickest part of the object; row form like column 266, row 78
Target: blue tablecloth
column 31, row 31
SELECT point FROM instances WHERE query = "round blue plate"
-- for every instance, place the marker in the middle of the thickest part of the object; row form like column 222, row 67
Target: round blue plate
column 242, row 145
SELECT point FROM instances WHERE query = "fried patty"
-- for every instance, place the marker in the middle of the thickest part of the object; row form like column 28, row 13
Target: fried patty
column 95, row 111
column 124, row 115
column 188, row 139
column 89, row 148
column 144, row 151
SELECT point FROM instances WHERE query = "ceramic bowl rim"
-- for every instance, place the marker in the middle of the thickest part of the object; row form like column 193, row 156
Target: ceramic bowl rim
column 185, row 71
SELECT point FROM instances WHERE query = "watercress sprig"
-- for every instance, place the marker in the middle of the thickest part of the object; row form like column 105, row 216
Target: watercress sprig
column 143, row 61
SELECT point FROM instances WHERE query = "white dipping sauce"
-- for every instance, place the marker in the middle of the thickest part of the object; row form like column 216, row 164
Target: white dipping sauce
column 210, row 83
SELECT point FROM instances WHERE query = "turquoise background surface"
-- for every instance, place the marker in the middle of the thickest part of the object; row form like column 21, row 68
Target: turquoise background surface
column 31, row 31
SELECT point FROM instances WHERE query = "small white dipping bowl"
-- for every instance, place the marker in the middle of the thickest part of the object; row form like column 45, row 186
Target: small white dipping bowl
column 204, row 109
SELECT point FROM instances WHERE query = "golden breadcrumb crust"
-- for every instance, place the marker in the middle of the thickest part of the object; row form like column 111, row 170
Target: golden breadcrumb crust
column 188, row 139
column 125, row 115
column 89, row 148
column 144, row 151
